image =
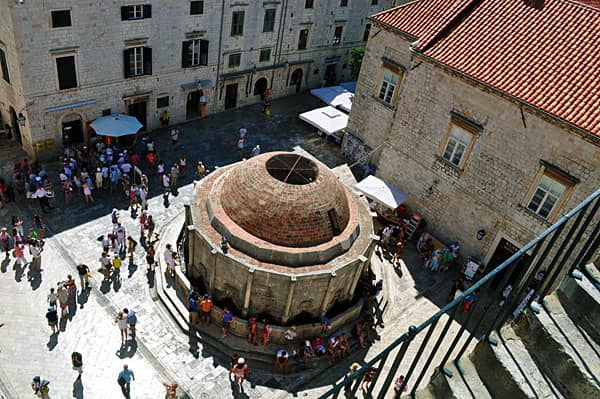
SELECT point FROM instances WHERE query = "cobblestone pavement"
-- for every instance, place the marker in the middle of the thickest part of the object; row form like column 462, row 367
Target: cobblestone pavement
column 163, row 352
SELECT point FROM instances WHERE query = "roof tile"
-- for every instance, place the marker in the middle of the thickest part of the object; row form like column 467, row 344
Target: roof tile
column 544, row 52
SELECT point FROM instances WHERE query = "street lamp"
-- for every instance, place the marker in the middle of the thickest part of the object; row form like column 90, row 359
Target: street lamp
column 21, row 119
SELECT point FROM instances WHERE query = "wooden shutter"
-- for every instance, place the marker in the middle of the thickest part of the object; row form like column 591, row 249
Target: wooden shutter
column 125, row 13
column 147, row 10
column 203, row 52
column 186, row 54
column 127, row 55
column 67, row 76
column 147, row 61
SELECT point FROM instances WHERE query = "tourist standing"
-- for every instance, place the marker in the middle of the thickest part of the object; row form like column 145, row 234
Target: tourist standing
column 227, row 319
column 124, row 380
column 206, row 306
column 174, row 138
column 169, row 257
column 77, row 361
column 121, row 322
column 150, row 253
column 240, row 371
column 83, row 272
column 52, row 318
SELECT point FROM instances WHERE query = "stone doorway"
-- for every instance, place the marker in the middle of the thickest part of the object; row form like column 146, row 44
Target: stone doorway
column 231, row 95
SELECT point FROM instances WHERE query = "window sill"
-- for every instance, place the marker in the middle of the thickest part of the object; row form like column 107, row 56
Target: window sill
column 385, row 104
column 537, row 217
column 448, row 163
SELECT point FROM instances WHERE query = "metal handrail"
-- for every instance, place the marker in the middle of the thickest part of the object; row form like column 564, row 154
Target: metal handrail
column 436, row 316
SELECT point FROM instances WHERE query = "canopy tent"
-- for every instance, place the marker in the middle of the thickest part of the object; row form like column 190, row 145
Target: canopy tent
column 327, row 119
column 350, row 86
column 382, row 192
column 116, row 125
column 336, row 96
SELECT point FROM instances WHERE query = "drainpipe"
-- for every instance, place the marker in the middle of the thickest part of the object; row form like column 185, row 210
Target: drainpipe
column 217, row 82
column 280, row 35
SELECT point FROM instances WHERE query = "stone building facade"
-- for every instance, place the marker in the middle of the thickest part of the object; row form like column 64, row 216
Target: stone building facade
column 145, row 57
column 471, row 157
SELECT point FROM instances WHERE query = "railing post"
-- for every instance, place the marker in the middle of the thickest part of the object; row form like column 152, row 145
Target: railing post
column 590, row 245
column 377, row 374
column 456, row 338
column 418, row 355
column 434, row 350
column 412, row 332
column 554, row 271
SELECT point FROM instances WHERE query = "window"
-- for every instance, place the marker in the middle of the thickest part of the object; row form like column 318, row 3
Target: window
column 546, row 195
column 337, row 35
column 309, row 4
column 162, row 102
column 366, row 32
column 373, row 2
column 196, row 7
column 67, row 76
column 235, row 60
column 237, row 23
column 4, row 66
column 269, row 21
column 138, row 11
column 194, row 53
column 303, row 39
column 106, row 112
column 458, row 141
column 137, row 61
column 61, row 19
column 265, row 55
column 388, row 86
column 344, row 3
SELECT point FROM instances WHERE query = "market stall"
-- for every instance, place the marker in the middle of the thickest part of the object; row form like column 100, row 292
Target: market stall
column 388, row 199
column 328, row 120
column 336, row 96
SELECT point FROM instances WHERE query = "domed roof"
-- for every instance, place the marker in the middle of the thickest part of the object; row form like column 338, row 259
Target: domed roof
column 285, row 199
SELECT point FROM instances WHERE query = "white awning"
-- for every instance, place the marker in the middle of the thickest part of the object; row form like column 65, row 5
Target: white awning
column 327, row 119
column 336, row 96
column 382, row 192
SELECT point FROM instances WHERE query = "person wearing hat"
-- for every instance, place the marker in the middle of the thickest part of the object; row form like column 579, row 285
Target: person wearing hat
column 98, row 179
column 240, row 371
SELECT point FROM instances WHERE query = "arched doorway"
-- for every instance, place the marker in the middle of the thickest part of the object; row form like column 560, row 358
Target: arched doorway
column 260, row 86
column 15, row 125
column 72, row 129
column 296, row 79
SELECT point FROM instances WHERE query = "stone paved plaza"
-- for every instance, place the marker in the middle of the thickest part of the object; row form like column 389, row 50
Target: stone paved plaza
column 162, row 351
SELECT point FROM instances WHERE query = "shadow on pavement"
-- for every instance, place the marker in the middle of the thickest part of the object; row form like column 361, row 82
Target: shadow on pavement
column 128, row 349
column 78, row 389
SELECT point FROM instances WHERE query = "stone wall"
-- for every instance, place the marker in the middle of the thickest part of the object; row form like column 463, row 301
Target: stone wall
column 228, row 278
column 491, row 190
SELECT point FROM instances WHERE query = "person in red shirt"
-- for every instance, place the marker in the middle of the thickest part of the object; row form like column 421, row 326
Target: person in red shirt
column 151, row 159
column 253, row 329
column 135, row 159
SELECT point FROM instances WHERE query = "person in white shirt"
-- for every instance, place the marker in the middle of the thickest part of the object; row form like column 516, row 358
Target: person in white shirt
column 169, row 257
column 120, row 236
column 166, row 184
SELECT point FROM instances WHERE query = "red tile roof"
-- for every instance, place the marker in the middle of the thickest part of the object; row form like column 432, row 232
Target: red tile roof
column 543, row 52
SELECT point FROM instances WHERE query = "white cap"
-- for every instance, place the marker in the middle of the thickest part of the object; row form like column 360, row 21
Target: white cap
column 241, row 360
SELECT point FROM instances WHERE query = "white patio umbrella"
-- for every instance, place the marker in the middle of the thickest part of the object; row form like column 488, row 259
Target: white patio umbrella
column 116, row 125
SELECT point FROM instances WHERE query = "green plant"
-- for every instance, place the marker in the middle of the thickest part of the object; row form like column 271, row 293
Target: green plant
column 356, row 57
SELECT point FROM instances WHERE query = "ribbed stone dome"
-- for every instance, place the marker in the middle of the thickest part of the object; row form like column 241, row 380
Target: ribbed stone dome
column 285, row 199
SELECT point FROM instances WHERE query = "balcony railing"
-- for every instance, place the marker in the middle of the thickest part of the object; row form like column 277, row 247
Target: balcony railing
column 566, row 246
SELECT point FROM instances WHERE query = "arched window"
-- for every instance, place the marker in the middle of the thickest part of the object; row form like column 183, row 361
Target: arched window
column 260, row 86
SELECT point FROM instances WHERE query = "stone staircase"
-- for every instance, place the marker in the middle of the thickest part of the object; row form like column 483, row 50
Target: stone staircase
column 551, row 352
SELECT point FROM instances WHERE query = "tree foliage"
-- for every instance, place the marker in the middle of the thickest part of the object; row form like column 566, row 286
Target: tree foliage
column 356, row 57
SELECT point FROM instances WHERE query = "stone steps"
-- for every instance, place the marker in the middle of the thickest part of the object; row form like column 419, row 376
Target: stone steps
column 562, row 351
column 581, row 300
column 508, row 370
column 464, row 383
